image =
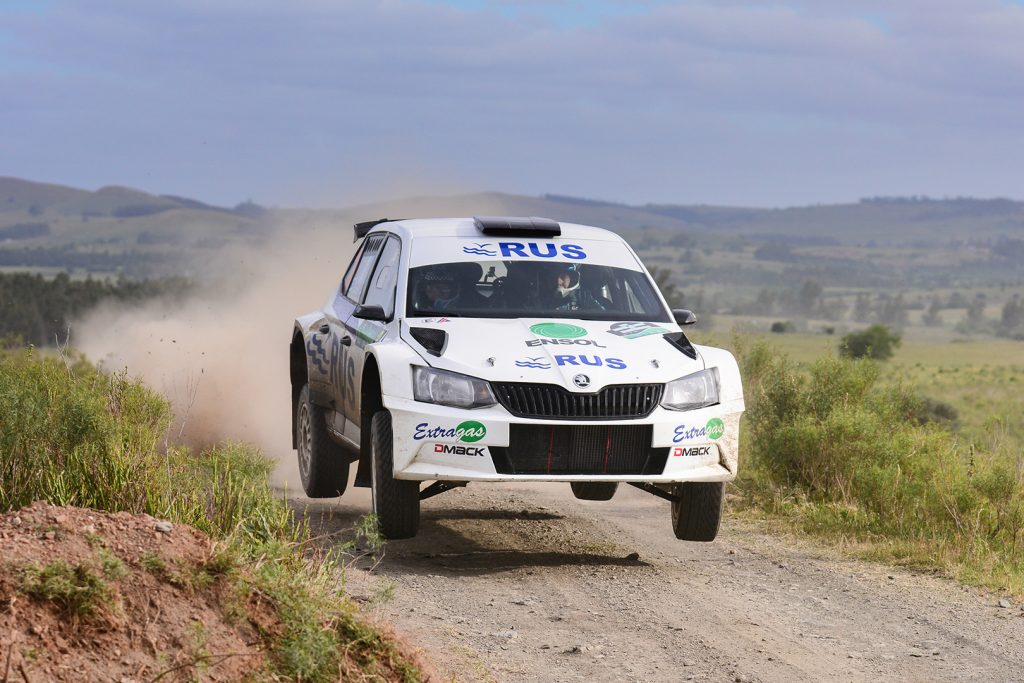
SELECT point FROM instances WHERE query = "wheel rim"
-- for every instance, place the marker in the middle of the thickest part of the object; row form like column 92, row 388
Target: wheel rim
column 305, row 443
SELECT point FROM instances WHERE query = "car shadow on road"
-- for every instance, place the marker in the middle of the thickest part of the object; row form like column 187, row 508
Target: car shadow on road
column 468, row 541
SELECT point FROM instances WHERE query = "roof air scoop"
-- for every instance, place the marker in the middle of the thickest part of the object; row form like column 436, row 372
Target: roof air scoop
column 517, row 226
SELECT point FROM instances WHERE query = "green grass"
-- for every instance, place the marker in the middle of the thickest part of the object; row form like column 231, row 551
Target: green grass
column 857, row 452
column 72, row 435
column 82, row 590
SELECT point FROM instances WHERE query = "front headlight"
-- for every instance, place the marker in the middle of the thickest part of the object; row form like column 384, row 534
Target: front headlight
column 450, row 389
column 693, row 391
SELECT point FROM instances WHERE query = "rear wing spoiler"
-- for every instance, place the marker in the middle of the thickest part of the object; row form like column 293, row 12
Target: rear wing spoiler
column 362, row 228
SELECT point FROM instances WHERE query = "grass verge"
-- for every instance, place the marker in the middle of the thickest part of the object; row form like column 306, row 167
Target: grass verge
column 72, row 435
column 841, row 450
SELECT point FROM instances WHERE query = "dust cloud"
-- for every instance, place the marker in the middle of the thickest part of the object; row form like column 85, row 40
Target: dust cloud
column 221, row 356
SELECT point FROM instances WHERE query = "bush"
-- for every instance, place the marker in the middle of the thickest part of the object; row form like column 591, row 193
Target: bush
column 877, row 341
column 874, row 460
column 783, row 327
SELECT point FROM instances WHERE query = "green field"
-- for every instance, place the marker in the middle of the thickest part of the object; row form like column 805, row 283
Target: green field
column 983, row 379
column 917, row 461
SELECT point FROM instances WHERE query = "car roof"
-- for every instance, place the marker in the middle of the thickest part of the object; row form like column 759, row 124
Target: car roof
column 465, row 227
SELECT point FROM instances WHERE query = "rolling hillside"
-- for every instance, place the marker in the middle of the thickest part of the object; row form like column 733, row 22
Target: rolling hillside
column 889, row 242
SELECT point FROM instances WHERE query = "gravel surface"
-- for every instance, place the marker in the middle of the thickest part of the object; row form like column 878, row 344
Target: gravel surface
column 518, row 582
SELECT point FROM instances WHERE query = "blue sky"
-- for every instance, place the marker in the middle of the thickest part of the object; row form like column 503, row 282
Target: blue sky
column 325, row 103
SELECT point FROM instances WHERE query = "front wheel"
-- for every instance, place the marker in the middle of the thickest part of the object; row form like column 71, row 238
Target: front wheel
column 323, row 467
column 594, row 490
column 396, row 502
column 698, row 511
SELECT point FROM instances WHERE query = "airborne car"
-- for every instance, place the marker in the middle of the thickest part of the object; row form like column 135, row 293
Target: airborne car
column 509, row 349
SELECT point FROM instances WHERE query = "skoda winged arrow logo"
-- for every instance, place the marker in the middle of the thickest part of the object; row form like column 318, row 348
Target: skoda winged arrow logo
column 582, row 381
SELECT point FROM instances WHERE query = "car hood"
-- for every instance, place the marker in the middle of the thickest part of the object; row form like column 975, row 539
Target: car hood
column 548, row 351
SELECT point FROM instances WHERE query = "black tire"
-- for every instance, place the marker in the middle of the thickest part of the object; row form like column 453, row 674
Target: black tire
column 697, row 514
column 396, row 502
column 594, row 490
column 323, row 467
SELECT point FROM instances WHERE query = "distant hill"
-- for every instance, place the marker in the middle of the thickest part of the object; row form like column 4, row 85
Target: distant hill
column 114, row 230
column 892, row 221
column 884, row 240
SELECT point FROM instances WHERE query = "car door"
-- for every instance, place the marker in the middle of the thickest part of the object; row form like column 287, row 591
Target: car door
column 342, row 363
column 379, row 291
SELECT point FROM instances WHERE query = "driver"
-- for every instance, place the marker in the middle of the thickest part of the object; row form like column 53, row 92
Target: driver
column 440, row 288
column 565, row 294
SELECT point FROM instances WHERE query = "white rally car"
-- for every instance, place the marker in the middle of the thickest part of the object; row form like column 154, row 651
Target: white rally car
column 509, row 349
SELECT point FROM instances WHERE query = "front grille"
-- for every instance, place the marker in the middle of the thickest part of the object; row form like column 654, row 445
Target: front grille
column 550, row 401
column 579, row 449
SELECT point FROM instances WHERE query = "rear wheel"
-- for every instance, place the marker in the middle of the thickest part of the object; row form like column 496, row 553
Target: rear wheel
column 594, row 490
column 396, row 502
column 323, row 467
column 698, row 512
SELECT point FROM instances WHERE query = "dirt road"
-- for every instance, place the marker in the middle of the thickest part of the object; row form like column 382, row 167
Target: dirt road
column 525, row 583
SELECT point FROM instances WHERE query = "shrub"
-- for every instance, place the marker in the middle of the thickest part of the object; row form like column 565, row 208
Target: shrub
column 872, row 458
column 81, row 590
column 877, row 341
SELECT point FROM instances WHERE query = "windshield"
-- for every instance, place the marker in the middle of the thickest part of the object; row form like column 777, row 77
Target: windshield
column 528, row 289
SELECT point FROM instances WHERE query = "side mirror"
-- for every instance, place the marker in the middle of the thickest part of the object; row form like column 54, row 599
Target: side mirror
column 370, row 313
column 683, row 316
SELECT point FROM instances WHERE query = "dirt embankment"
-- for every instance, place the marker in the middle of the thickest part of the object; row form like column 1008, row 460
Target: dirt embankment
column 525, row 583
column 92, row 596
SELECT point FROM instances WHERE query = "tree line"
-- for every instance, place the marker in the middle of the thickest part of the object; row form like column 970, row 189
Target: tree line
column 38, row 310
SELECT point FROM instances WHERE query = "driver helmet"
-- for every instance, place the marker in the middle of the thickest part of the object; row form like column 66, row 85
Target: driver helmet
column 567, row 278
column 440, row 287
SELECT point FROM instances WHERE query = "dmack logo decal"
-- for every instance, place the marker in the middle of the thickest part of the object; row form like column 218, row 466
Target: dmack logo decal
column 541, row 250
column 468, row 431
column 691, row 451
column 452, row 449
column 593, row 361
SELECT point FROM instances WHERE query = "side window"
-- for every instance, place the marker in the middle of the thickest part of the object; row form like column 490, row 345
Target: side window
column 347, row 280
column 385, row 278
column 354, row 291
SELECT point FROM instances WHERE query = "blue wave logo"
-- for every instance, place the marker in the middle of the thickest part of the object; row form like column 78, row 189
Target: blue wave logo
column 480, row 249
column 537, row 363
column 317, row 354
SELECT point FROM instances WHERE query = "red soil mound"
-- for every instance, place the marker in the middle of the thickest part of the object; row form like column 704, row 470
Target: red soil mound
column 92, row 596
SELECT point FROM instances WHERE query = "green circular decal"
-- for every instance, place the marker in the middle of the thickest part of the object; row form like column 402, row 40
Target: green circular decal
column 558, row 330
column 470, row 431
column 715, row 428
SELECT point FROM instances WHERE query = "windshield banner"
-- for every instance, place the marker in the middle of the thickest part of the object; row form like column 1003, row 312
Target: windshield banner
column 427, row 250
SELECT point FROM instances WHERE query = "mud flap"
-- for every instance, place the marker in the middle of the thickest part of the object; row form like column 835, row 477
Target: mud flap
column 364, row 474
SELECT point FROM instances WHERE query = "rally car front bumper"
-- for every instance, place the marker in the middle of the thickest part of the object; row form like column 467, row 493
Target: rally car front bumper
column 434, row 442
